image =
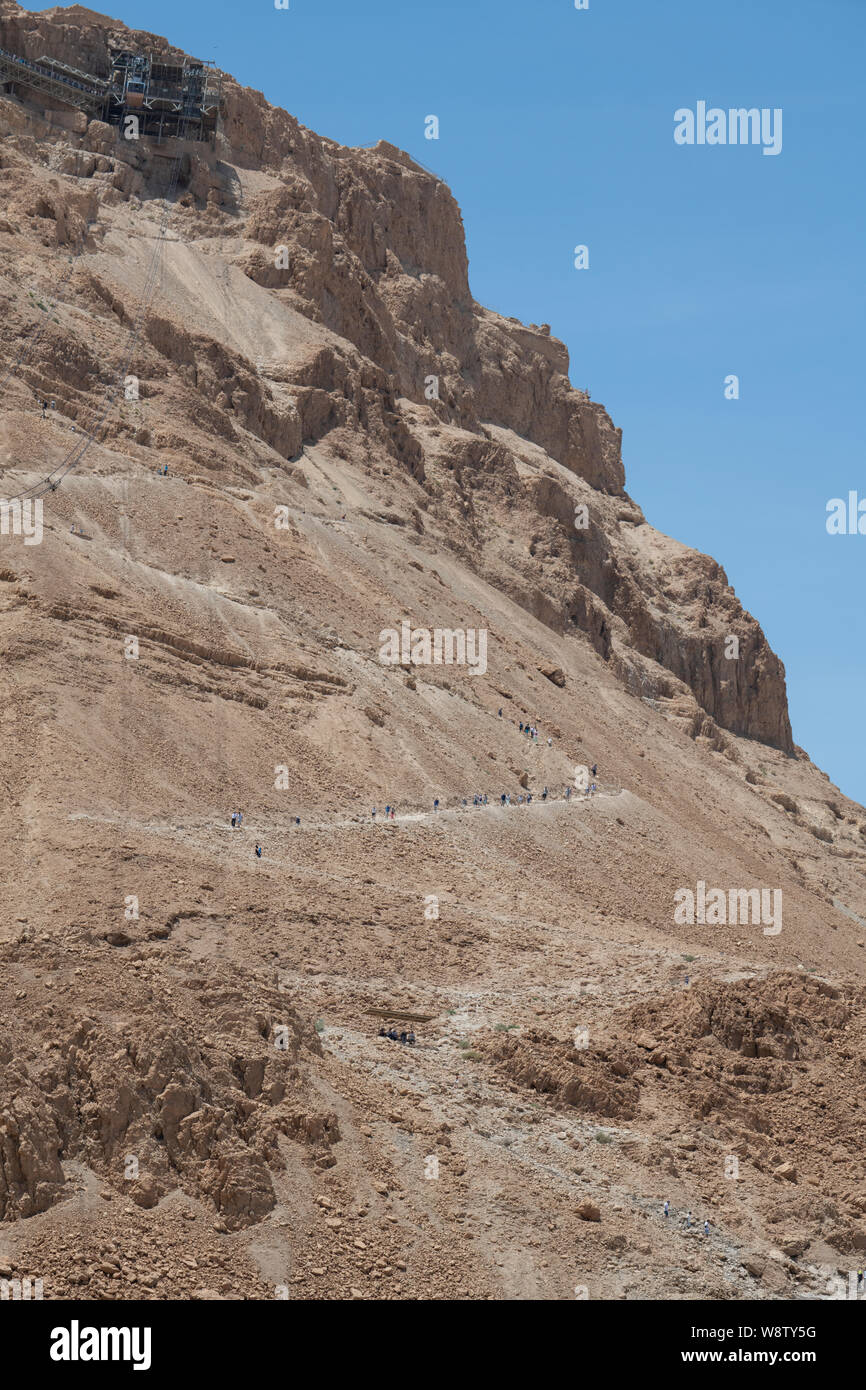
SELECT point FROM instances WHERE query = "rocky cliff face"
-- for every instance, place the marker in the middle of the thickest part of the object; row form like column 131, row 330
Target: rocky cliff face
column 194, row 1098
column 368, row 245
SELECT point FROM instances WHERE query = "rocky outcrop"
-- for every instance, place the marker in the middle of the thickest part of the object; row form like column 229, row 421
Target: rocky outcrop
column 369, row 247
column 163, row 1105
column 589, row 1080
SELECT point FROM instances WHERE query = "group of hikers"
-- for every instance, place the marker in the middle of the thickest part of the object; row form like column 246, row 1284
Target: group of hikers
column 392, row 1033
column 237, row 822
column 687, row 1220
column 509, row 799
column 531, row 730
column 479, row 799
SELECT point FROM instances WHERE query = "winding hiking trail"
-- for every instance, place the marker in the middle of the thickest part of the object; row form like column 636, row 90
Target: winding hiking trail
column 414, row 817
column 280, row 494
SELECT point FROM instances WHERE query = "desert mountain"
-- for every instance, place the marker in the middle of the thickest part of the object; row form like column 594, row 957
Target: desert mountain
column 294, row 432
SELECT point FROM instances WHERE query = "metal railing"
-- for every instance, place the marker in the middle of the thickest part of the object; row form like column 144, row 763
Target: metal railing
column 14, row 68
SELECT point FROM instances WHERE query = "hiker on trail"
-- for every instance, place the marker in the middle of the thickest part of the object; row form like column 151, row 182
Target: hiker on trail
column 411, row 1038
column 667, row 1208
column 234, row 819
column 520, row 799
column 44, row 408
column 528, row 797
column 594, row 769
column 687, row 979
column 550, row 743
column 382, row 1033
column 297, row 820
column 403, row 1036
column 392, row 812
column 502, row 798
column 387, row 811
column 374, row 813
column 544, row 794
column 500, row 711
column 706, row 1228
column 568, row 793
column 392, row 1034
column 521, row 726
column 258, row 851
column 436, row 804
column 688, row 1219
column 464, row 801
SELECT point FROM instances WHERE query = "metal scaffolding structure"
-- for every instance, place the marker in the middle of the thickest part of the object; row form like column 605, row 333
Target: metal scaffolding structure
column 166, row 98
column 56, row 80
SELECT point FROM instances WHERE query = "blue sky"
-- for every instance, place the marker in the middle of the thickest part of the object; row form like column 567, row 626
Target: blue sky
column 556, row 128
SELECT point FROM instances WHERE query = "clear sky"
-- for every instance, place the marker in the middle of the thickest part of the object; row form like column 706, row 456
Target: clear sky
column 556, row 128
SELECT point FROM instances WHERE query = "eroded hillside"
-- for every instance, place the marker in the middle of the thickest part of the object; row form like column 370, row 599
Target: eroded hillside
column 194, row 1099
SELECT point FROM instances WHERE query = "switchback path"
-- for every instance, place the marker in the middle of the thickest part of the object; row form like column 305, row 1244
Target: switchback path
column 285, row 824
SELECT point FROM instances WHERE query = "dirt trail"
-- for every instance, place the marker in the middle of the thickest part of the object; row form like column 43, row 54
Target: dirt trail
column 415, row 817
